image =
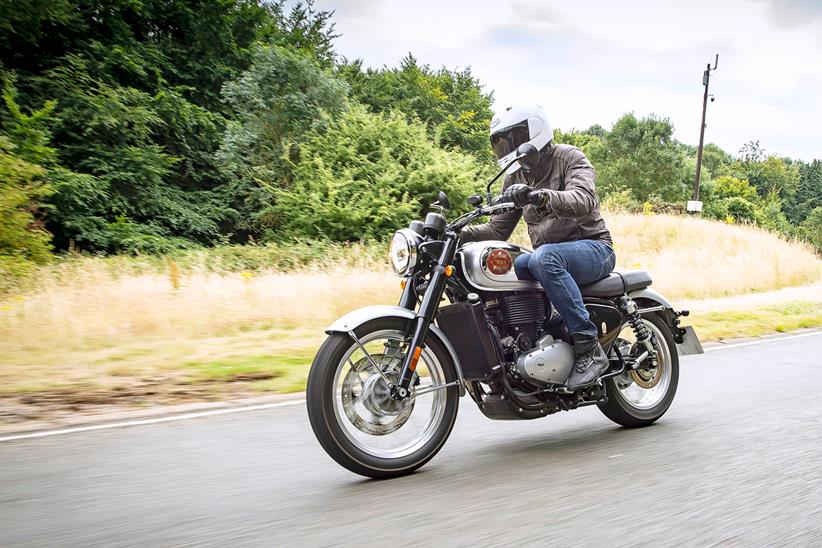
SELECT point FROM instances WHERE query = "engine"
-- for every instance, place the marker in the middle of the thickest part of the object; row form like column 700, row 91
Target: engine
column 517, row 309
column 520, row 316
column 550, row 361
column 520, row 319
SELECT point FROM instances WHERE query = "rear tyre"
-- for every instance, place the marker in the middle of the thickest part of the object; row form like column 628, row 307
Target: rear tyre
column 354, row 420
column 640, row 398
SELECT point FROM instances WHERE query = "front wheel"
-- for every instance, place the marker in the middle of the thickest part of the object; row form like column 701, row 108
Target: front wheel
column 352, row 414
column 640, row 397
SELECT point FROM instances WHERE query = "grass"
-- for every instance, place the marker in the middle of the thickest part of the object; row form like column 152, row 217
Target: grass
column 243, row 318
column 693, row 258
column 753, row 322
column 268, row 372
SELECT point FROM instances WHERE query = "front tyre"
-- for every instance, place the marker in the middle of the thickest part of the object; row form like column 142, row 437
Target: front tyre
column 640, row 397
column 356, row 421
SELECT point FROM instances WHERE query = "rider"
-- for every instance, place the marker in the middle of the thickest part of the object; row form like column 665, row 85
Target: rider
column 572, row 245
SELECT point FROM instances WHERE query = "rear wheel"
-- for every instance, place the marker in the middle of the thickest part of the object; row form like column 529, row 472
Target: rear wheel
column 356, row 420
column 640, row 397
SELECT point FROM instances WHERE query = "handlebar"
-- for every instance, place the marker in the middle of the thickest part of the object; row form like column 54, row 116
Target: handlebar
column 496, row 206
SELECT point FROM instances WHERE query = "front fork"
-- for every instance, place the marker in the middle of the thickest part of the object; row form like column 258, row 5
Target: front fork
column 425, row 315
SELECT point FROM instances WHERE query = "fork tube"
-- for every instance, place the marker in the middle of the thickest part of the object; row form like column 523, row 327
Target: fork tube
column 425, row 315
column 409, row 294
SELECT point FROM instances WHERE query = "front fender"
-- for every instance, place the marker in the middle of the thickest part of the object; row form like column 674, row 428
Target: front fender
column 356, row 318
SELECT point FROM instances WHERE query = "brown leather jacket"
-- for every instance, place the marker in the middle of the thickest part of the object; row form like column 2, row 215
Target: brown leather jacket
column 573, row 213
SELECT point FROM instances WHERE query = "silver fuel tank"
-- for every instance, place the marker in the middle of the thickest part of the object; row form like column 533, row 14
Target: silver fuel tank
column 489, row 266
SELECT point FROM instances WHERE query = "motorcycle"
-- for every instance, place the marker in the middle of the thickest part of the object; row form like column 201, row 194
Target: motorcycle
column 384, row 387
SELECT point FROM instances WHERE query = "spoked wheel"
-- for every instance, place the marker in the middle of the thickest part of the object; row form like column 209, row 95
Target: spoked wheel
column 353, row 415
column 641, row 396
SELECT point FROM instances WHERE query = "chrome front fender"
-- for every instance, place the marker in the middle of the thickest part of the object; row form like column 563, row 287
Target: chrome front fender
column 356, row 318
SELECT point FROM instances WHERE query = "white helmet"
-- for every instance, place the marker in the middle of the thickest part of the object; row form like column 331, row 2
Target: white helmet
column 516, row 125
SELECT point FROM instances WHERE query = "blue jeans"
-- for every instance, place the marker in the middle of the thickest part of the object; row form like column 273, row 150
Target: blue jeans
column 560, row 269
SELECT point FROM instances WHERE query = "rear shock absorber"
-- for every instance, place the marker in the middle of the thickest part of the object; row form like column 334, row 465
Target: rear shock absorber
column 643, row 336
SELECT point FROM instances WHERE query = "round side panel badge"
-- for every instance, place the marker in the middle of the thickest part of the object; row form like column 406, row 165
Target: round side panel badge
column 499, row 262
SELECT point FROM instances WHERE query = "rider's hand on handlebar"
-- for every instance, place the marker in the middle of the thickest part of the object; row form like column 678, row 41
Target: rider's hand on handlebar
column 522, row 195
column 518, row 194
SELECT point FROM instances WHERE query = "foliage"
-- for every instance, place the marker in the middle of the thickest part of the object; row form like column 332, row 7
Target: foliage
column 152, row 126
column 21, row 185
column 640, row 155
column 589, row 141
column 812, row 227
column 279, row 98
column 451, row 103
column 366, row 176
column 715, row 161
column 139, row 116
column 808, row 192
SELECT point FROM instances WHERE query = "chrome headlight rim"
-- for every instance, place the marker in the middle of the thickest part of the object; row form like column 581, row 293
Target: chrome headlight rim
column 411, row 240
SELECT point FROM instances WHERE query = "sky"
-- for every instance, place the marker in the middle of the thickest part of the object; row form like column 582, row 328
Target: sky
column 590, row 61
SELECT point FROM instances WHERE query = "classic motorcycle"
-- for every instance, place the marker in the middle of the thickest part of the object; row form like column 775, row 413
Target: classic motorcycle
column 384, row 387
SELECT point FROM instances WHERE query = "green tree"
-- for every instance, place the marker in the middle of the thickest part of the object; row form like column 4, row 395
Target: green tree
column 641, row 155
column 140, row 116
column 368, row 175
column 451, row 103
column 728, row 187
column 276, row 101
column 24, row 182
column 716, row 161
column 114, row 135
column 767, row 173
column 22, row 237
column 808, row 194
column 812, row 228
column 589, row 141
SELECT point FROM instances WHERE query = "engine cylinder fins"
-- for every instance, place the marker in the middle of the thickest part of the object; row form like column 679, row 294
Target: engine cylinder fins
column 523, row 313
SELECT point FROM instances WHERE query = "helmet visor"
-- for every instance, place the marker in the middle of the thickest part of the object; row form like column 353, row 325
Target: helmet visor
column 506, row 141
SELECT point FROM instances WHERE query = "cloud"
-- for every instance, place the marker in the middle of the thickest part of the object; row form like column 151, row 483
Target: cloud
column 591, row 61
column 792, row 14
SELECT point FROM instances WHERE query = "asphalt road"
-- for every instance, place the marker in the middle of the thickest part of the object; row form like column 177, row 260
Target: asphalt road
column 736, row 461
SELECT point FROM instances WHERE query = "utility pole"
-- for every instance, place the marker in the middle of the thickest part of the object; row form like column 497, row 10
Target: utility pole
column 695, row 206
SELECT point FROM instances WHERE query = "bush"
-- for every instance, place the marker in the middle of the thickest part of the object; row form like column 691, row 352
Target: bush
column 740, row 209
column 622, row 201
column 368, row 175
column 282, row 96
column 812, row 228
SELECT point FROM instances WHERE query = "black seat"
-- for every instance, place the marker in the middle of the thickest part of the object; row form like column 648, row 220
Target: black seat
column 617, row 283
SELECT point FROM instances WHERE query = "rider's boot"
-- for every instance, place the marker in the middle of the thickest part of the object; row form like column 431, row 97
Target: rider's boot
column 590, row 362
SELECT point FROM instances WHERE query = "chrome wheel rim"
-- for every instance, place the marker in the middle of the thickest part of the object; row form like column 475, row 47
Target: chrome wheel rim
column 371, row 420
column 646, row 388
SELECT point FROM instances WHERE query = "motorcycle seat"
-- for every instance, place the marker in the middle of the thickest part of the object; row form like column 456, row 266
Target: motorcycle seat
column 617, row 283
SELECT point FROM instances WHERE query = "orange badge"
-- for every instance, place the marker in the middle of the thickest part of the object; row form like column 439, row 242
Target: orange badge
column 499, row 262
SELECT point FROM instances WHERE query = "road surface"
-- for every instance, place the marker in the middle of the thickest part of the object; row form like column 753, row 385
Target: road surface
column 736, row 461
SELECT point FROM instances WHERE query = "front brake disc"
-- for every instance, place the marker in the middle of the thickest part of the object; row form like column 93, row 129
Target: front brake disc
column 367, row 403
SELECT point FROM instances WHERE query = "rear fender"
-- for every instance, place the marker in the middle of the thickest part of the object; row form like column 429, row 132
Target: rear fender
column 649, row 300
column 356, row 318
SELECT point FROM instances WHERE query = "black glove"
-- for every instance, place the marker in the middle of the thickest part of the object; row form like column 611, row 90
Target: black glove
column 517, row 193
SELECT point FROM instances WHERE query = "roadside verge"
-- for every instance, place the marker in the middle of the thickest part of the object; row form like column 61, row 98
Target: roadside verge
column 168, row 413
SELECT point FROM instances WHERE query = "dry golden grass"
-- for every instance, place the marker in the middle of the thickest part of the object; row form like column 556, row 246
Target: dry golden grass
column 102, row 322
column 691, row 258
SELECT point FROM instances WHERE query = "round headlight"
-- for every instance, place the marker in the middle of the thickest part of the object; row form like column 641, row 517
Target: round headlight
column 402, row 252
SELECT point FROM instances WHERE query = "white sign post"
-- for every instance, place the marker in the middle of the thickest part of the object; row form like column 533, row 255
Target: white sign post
column 694, row 206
